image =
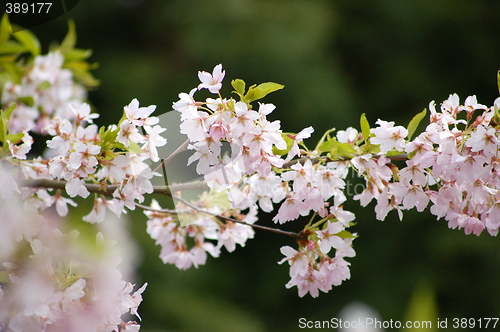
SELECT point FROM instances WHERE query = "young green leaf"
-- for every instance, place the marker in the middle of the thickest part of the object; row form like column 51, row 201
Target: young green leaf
column 365, row 127
column 77, row 54
column 346, row 235
column 342, row 149
column 5, row 30
column 239, row 87
column 28, row 101
column 124, row 116
column 45, row 85
column 69, row 41
column 14, row 138
column 322, row 140
column 327, row 145
column 8, row 59
column 289, row 143
column 413, row 125
column 260, row 91
column 108, row 136
column 498, row 81
column 11, row 47
column 4, row 122
column 133, row 147
column 29, row 41
column 11, row 72
column 5, row 276
column 81, row 72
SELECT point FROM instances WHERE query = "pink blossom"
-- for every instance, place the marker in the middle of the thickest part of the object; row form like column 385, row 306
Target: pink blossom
column 388, row 136
column 291, row 209
column 129, row 132
column 212, row 82
column 328, row 237
column 484, row 140
column 298, row 138
column 298, row 261
column 350, row 135
column 153, row 140
column 76, row 187
column 140, row 116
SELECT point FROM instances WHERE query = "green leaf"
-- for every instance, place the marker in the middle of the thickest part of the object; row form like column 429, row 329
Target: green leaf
column 7, row 59
column 124, row 116
column 69, row 41
column 346, row 235
column 134, row 147
column 289, row 143
column 5, row 30
column 365, row 127
column 4, row 277
column 109, row 135
column 81, row 72
column 413, row 125
column 341, row 149
column 498, row 80
column 28, row 101
column 77, row 54
column 239, row 87
column 8, row 112
column 261, row 90
column 11, row 47
column 118, row 145
column 4, row 122
column 14, row 139
column 327, row 145
column 45, row 85
column 11, row 72
column 322, row 140
column 29, row 41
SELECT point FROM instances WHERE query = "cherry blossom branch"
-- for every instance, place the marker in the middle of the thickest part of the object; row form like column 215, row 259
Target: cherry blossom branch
column 165, row 190
column 108, row 190
column 148, row 208
column 269, row 229
column 398, row 157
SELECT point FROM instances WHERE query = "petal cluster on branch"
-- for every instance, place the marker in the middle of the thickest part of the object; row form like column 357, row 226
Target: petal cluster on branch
column 453, row 166
column 61, row 285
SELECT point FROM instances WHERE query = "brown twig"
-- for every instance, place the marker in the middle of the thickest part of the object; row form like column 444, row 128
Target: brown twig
column 398, row 157
column 168, row 191
column 109, row 190
column 166, row 160
column 269, row 229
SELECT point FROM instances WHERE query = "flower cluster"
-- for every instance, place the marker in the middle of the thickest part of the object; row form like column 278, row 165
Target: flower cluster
column 311, row 268
column 453, row 166
column 62, row 285
column 46, row 91
column 166, row 228
column 260, row 173
column 80, row 153
column 58, row 286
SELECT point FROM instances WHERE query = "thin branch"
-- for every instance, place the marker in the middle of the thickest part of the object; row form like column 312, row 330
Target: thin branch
column 398, row 157
column 177, row 151
column 148, row 208
column 269, row 229
column 110, row 189
column 168, row 191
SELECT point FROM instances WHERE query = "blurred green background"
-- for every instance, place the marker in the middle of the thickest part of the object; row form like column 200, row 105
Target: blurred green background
column 337, row 60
